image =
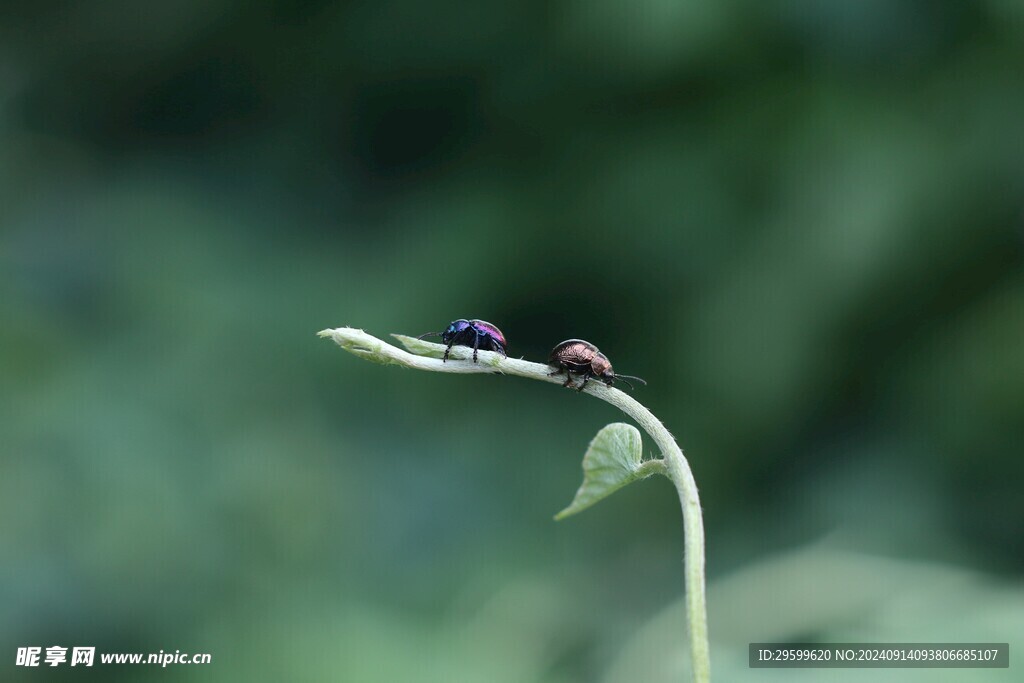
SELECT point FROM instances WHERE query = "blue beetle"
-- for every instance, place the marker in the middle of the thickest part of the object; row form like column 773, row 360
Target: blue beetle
column 478, row 334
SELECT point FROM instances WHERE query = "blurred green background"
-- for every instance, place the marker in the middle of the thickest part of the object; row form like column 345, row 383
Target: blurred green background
column 802, row 222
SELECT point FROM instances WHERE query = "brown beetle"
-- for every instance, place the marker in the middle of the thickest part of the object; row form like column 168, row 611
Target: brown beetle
column 578, row 357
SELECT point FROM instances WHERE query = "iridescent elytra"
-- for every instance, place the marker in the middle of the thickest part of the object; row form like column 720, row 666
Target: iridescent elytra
column 476, row 334
column 579, row 357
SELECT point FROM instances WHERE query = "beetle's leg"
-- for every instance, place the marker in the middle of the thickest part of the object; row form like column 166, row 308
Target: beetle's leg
column 586, row 378
column 568, row 379
column 446, row 352
column 476, row 345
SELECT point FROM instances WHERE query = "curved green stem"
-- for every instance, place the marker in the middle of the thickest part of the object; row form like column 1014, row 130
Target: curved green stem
column 426, row 356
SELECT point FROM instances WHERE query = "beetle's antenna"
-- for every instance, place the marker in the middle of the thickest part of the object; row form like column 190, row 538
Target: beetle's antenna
column 637, row 379
column 619, row 377
column 430, row 334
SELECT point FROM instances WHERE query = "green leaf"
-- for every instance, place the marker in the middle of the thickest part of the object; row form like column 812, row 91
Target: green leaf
column 613, row 460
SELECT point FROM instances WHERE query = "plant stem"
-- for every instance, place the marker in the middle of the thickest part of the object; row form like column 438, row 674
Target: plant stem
column 693, row 526
column 427, row 356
